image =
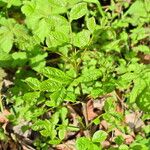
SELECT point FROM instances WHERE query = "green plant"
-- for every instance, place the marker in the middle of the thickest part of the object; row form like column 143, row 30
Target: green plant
column 67, row 51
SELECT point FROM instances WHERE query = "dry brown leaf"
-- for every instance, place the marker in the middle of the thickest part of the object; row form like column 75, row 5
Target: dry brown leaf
column 104, row 124
column 134, row 121
column 69, row 145
column 90, row 110
column 3, row 116
column 144, row 58
column 106, row 144
column 128, row 138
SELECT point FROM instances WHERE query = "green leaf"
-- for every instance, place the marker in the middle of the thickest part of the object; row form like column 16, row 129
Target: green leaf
column 3, row 137
column 96, row 92
column 31, row 97
column 123, row 147
column 55, row 118
column 50, row 85
column 84, row 143
column 43, row 29
column 82, row 38
column 6, row 39
column 119, row 140
column 142, row 48
column 99, row 136
column 70, row 96
column 59, row 23
column 5, row 59
column 56, row 98
column 62, row 133
column 34, row 83
column 56, row 39
column 38, row 62
column 20, row 58
column 139, row 86
column 142, row 100
column 63, row 113
column 12, row 2
column 28, row 8
column 90, row 75
column 56, row 75
column 91, row 24
column 137, row 9
column 92, row 1
column 78, row 11
column 109, row 105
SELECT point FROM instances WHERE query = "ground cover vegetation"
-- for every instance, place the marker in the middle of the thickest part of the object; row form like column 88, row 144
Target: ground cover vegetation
column 74, row 74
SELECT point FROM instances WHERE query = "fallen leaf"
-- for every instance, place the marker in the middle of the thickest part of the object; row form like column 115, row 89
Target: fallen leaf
column 90, row 110
column 133, row 120
column 128, row 138
column 3, row 116
column 69, row 145
column 104, row 125
column 105, row 144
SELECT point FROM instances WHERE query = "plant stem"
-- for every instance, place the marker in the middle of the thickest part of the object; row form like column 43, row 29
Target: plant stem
column 1, row 105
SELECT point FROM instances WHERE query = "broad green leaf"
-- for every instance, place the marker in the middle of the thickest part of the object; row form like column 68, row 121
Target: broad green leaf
column 139, row 86
column 59, row 24
column 50, row 85
column 3, row 137
column 20, row 58
column 56, row 75
column 37, row 62
column 90, row 75
column 43, row 29
column 28, row 8
column 82, row 38
column 119, row 140
column 31, row 97
column 50, row 7
column 12, row 2
column 62, row 133
column 72, row 2
column 99, row 136
column 56, row 98
column 96, row 92
column 92, row 1
column 58, row 6
column 5, row 59
column 62, row 3
column 34, row 83
column 109, row 105
column 91, row 24
column 142, row 48
column 137, row 9
column 84, row 143
column 6, row 39
column 123, row 147
column 55, row 118
column 63, row 113
column 111, row 46
column 56, row 39
column 142, row 100
column 70, row 96
column 78, row 11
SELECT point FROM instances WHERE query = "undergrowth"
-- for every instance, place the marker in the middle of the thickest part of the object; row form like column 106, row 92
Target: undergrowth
column 59, row 58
